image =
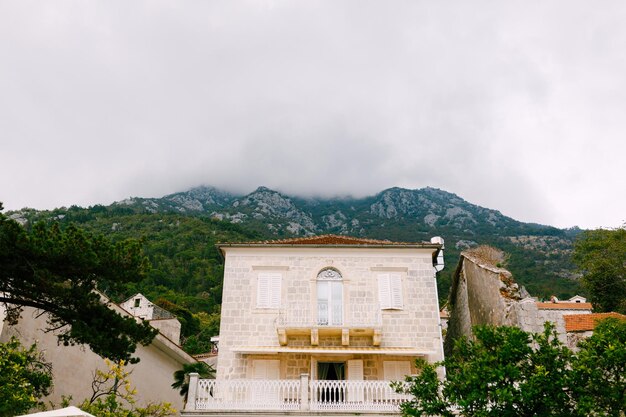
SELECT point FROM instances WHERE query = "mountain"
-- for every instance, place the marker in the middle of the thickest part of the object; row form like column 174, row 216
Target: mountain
column 179, row 232
column 539, row 255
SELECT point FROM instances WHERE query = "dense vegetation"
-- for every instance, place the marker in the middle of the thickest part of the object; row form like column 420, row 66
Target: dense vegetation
column 185, row 268
column 59, row 270
column 24, row 378
column 178, row 234
column 501, row 373
column 601, row 258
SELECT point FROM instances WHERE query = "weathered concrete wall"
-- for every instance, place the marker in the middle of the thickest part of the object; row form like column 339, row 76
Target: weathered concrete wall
column 481, row 294
column 170, row 328
column 73, row 366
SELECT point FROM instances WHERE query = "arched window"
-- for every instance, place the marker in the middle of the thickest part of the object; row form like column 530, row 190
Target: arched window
column 329, row 298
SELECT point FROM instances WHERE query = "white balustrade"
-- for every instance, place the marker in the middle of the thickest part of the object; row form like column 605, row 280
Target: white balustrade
column 248, row 394
column 296, row 394
column 294, row 315
column 354, row 396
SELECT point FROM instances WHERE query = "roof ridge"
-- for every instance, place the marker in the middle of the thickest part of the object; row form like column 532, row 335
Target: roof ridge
column 329, row 239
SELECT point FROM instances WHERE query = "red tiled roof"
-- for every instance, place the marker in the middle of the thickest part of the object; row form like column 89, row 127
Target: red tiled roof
column 332, row 240
column 564, row 306
column 585, row 322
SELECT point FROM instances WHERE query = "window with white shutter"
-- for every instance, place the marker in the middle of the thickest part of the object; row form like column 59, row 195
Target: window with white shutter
column 396, row 370
column 355, row 373
column 268, row 290
column 390, row 291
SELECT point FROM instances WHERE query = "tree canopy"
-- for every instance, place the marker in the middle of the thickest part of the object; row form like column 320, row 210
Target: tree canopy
column 600, row 370
column 601, row 258
column 60, row 272
column 505, row 371
column 24, row 378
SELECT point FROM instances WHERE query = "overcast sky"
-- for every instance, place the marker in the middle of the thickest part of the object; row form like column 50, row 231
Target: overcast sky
column 518, row 106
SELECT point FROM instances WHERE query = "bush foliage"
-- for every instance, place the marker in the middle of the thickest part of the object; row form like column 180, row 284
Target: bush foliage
column 505, row 371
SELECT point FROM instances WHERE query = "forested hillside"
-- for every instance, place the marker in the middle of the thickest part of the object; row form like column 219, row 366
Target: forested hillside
column 179, row 233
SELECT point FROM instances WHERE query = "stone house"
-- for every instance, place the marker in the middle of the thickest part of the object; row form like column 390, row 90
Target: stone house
column 73, row 367
column 139, row 306
column 320, row 325
column 581, row 326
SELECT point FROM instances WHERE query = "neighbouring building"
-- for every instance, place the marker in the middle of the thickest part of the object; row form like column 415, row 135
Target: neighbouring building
column 321, row 325
column 482, row 293
column 166, row 322
column 581, row 326
column 73, row 367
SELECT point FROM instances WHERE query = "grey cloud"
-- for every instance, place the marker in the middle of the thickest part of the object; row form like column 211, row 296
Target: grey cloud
column 506, row 104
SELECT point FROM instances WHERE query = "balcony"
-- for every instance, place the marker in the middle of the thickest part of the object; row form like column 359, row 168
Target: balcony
column 357, row 320
column 292, row 395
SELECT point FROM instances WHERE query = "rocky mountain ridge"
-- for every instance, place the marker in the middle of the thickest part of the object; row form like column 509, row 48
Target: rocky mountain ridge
column 287, row 215
column 539, row 254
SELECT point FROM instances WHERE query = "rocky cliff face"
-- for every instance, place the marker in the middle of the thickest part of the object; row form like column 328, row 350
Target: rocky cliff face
column 197, row 200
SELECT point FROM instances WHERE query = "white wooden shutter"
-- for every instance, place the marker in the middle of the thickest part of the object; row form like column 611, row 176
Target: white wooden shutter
column 384, row 293
column 268, row 290
column 275, row 285
column 395, row 288
column 355, row 373
column 263, row 291
column 396, row 370
column 355, row 370
column 266, row 369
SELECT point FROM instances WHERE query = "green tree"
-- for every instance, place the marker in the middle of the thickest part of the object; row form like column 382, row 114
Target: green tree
column 500, row 373
column 201, row 341
column 601, row 258
column 114, row 396
column 59, row 271
column 599, row 373
column 181, row 377
column 24, row 378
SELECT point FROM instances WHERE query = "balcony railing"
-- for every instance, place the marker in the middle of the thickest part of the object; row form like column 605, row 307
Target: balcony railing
column 248, row 394
column 318, row 316
column 354, row 396
column 292, row 394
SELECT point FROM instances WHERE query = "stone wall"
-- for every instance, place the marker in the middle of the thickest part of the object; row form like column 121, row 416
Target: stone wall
column 481, row 294
column 416, row 325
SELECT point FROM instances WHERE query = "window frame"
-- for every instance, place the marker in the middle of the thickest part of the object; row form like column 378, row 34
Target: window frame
column 269, row 290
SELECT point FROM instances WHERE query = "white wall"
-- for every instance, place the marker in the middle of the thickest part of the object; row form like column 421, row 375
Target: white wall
column 242, row 324
column 73, row 366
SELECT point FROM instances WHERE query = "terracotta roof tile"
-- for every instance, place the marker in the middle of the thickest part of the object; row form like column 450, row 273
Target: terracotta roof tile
column 332, row 240
column 586, row 322
column 564, row 306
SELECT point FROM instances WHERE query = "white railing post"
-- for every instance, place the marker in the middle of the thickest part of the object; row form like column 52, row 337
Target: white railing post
column 304, row 391
column 192, row 392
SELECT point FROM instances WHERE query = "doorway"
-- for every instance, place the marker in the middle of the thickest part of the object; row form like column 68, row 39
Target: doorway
column 331, row 390
column 331, row 371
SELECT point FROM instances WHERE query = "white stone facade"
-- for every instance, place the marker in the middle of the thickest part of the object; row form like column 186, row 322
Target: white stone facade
column 247, row 329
